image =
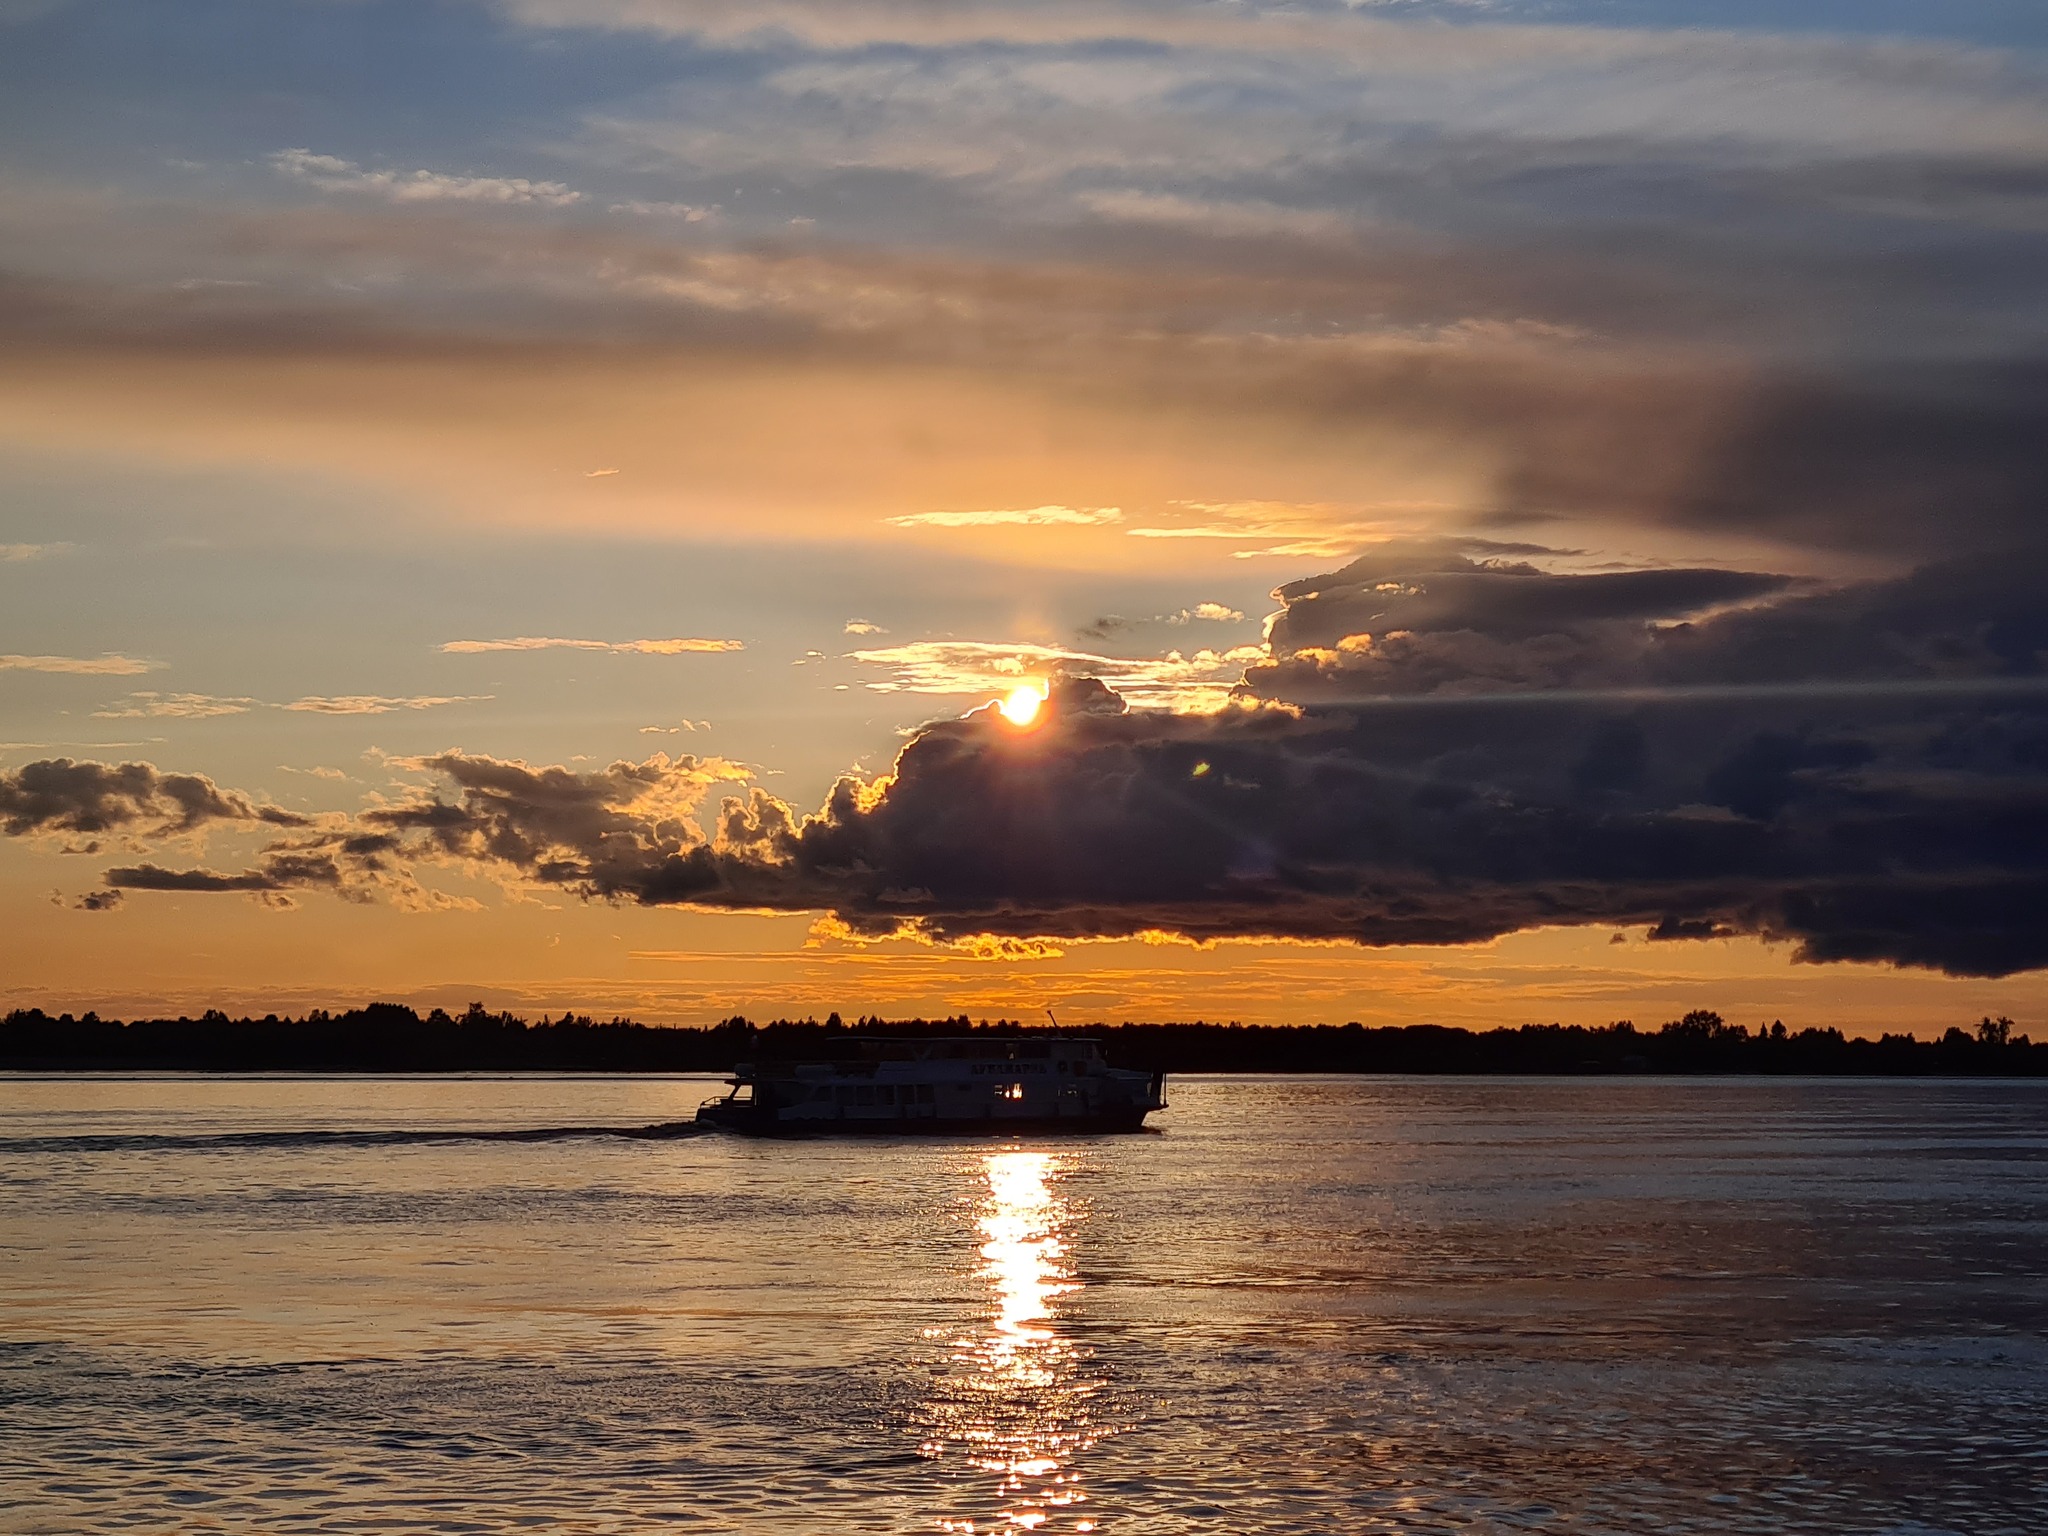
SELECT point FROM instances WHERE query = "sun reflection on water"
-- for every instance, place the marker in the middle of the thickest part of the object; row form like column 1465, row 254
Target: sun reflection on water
column 1016, row 1399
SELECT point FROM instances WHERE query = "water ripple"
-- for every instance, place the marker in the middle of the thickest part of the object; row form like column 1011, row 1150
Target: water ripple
column 1351, row 1306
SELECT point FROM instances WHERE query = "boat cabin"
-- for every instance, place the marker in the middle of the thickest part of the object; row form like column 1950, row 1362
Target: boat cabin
column 891, row 1083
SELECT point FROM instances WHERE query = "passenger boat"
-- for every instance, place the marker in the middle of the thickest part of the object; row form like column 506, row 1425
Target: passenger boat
column 981, row 1085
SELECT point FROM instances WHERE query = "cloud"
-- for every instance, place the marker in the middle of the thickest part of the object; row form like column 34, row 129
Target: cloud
column 592, row 834
column 377, row 704
column 863, row 627
column 625, row 831
column 857, row 25
column 1860, row 771
column 1473, row 617
column 59, row 795
column 689, row 213
column 1112, row 624
column 1147, row 231
column 981, row 668
column 1857, row 771
column 150, row 705
column 352, row 864
column 1080, row 517
column 1195, row 137
column 331, row 174
column 616, row 831
column 1284, row 529
column 1220, row 218
column 598, row 474
column 153, row 877
column 1707, row 402
column 1451, row 827
column 1337, row 36
column 18, row 554
column 1543, row 281
column 83, row 666
column 617, row 647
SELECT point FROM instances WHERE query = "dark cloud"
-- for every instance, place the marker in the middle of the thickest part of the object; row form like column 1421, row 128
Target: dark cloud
column 1918, row 465
column 1861, row 772
column 1469, row 616
column 1972, row 619
column 1443, row 587
column 1859, row 832
column 278, row 874
column 153, row 877
column 626, row 831
column 623, row 832
column 59, row 795
column 355, row 866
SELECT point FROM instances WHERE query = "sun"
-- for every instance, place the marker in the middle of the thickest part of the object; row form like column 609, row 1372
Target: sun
column 1022, row 706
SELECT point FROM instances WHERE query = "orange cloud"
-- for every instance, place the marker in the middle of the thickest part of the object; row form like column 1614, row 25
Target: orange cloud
column 83, row 666
column 1200, row 681
column 617, row 647
column 1025, row 517
column 377, row 704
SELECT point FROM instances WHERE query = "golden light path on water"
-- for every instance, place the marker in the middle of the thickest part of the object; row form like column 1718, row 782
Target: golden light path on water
column 1016, row 1401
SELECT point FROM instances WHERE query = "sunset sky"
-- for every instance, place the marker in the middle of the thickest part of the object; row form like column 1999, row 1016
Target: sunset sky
column 1524, row 510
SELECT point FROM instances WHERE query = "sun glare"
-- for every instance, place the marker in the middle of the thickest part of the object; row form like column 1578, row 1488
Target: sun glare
column 1023, row 704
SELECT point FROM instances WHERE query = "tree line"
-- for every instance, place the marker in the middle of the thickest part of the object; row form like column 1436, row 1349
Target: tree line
column 389, row 1037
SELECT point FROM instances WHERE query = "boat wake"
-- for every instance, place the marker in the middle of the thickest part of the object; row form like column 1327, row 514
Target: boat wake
column 233, row 1141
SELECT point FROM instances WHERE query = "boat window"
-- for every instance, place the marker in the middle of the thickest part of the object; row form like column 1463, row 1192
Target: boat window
column 845, row 1095
column 1060, row 1066
column 886, row 1094
column 866, row 1095
column 822, row 1095
column 925, row 1094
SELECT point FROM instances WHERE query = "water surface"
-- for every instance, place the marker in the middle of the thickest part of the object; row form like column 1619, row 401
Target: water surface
column 285, row 1305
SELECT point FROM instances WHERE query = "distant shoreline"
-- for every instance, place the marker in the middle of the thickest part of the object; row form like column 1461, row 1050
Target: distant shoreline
column 388, row 1038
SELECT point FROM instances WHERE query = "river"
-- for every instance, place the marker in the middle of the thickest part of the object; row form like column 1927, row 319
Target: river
column 307, row 1304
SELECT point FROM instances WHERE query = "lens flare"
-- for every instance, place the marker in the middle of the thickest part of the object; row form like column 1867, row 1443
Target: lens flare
column 1022, row 706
